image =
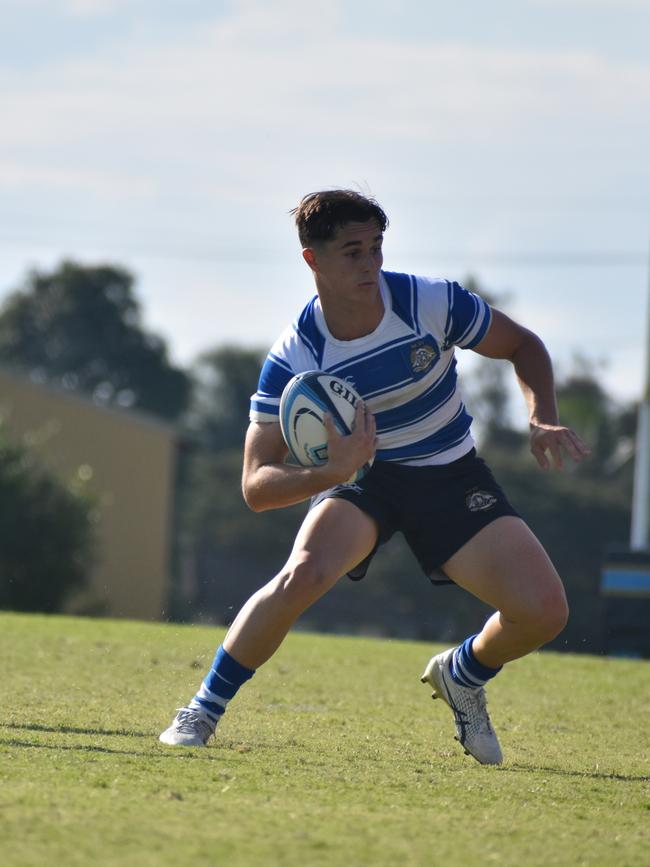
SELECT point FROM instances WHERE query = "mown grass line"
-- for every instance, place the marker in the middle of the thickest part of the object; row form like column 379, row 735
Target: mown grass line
column 334, row 754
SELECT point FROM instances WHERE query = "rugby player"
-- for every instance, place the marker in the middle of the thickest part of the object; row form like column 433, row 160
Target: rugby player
column 393, row 336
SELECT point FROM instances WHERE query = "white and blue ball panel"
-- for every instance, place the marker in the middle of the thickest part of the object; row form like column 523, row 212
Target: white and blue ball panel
column 304, row 402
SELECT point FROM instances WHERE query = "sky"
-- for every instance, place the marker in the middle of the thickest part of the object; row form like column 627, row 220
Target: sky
column 509, row 141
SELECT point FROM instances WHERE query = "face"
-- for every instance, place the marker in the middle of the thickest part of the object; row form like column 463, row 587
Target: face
column 349, row 264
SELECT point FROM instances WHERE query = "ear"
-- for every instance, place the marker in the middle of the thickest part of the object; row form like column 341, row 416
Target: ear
column 310, row 258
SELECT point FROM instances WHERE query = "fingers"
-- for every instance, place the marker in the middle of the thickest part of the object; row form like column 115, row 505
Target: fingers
column 369, row 423
column 364, row 422
column 360, row 416
column 330, row 427
column 348, row 452
column 371, row 428
column 556, row 454
column 554, row 441
column 538, row 451
column 576, row 447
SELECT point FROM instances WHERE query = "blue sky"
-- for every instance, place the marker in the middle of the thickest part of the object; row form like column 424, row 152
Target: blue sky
column 509, row 142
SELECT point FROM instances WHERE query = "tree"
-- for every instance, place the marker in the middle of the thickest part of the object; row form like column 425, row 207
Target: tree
column 224, row 380
column 489, row 388
column 586, row 407
column 81, row 326
column 226, row 548
column 46, row 542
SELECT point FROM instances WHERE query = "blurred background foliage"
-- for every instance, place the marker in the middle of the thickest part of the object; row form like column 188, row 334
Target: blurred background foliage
column 81, row 327
column 46, row 540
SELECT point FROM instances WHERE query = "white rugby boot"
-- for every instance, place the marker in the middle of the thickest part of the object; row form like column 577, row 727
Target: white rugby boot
column 473, row 728
column 190, row 728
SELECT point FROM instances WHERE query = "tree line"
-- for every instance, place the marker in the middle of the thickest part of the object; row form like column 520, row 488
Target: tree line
column 81, row 328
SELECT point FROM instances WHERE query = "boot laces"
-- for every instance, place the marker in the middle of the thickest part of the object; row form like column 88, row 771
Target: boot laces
column 471, row 712
column 188, row 721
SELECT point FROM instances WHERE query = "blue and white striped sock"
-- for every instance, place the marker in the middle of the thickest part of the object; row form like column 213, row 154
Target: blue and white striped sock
column 465, row 668
column 220, row 685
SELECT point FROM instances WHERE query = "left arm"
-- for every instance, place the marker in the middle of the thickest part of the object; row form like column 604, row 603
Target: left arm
column 507, row 339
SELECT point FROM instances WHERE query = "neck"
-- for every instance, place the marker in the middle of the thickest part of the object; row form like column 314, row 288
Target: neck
column 349, row 319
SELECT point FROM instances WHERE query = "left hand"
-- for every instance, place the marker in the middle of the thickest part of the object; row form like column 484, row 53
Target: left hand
column 555, row 439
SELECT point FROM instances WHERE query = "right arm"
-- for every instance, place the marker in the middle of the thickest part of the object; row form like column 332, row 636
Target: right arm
column 269, row 483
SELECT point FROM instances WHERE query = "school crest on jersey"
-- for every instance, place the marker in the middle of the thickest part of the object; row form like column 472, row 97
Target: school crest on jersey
column 423, row 356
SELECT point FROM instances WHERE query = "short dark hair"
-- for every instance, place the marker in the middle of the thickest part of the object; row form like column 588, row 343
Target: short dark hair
column 319, row 215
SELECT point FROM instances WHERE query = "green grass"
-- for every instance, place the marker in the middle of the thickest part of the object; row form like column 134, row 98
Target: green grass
column 333, row 755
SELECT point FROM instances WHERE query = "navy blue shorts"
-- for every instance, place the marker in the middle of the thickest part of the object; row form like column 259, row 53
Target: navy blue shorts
column 437, row 508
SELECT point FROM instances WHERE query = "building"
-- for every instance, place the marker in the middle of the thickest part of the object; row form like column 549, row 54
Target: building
column 126, row 461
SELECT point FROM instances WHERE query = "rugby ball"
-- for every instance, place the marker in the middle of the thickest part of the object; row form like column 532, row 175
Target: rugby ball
column 305, row 400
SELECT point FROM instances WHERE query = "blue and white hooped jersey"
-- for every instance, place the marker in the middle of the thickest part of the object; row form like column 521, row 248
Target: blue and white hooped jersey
column 405, row 370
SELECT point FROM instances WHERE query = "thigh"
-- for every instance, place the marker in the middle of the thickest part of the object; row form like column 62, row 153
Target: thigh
column 446, row 507
column 334, row 537
column 505, row 566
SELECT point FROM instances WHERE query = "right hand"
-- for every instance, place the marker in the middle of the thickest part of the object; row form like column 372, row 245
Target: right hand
column 348, row 453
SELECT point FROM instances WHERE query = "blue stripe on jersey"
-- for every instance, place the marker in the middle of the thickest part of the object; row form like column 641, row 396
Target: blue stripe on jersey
column 388, row 364
column 420, row 407
column 267, row 408
column 415, row 296
column 472, row 309
column 443, row 440
column 309, row 332
column 449, row 320
column 403, row 295
column 463, row 313
column 273, row 378
column 480, row 334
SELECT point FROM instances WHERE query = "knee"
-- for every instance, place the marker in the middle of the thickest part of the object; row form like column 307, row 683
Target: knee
column 551, row 616
column 303, row 582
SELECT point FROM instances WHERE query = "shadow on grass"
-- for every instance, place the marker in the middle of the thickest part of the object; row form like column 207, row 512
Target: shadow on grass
column 71, row 730
column 156, row 752
column 585, row 775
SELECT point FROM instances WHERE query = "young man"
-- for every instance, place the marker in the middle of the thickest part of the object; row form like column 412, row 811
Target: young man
column 393, row 337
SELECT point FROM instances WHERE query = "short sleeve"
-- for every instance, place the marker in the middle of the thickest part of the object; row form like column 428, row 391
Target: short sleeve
column 288, row 356
column 265, row 403
column 468, row 317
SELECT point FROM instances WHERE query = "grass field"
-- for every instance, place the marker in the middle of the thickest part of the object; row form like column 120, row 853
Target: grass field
column 333, row 755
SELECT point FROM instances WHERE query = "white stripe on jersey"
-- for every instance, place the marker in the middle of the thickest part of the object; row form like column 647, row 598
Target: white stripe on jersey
column 406, row 391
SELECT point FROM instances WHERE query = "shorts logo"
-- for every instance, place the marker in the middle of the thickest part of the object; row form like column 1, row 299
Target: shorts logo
column 422, row 357
column 479, row 501
column 353, row 486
